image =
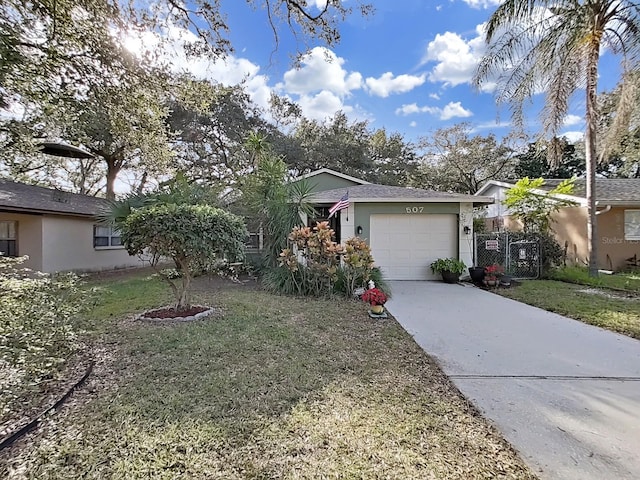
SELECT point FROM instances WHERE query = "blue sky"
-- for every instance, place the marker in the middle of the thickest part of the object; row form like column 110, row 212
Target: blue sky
column 407, row 68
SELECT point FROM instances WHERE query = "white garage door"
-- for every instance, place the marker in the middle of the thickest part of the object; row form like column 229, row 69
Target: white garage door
column 403, row 246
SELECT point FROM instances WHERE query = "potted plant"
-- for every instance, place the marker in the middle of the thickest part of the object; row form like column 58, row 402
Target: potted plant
column 376, row 298
column 492, row 275
column 449, row 268
column 476, row 274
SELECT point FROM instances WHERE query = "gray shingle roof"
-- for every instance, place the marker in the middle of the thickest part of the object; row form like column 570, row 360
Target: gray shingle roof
column 607, row 189
column 386, row 192
column 19, row 197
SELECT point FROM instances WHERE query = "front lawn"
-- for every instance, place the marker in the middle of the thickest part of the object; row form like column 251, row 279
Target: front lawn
column 597, row 306
column 269, row 387
column 621, row 281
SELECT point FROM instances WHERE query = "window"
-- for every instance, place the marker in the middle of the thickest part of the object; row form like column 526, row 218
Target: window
column 106, row 237
column 253, row 242
column 8, row 243
column 632, row 224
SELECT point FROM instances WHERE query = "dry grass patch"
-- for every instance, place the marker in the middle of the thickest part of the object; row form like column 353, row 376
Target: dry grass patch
column 274, row 387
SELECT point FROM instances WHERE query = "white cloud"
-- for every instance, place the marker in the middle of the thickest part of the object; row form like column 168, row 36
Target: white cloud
column 435, row 96
column 413, row 124
column 232, row 71
column 571, row 120
column 228, row 70
column 482, row 3
column 321, row 70
column 410, row 109
column 454, row 110
column 322, row 105
column 321, row 84
column 491, row 125
column 387, row 84
column 456, row 58
column 573, row 136
column 451, row 110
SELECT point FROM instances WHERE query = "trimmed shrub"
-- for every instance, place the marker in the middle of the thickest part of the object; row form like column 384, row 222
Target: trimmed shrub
column 194, row 236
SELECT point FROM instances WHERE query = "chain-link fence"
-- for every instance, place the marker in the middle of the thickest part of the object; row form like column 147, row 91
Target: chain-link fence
column 520, row 258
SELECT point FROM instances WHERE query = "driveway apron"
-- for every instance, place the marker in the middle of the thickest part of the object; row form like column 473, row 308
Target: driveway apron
column 565, row 394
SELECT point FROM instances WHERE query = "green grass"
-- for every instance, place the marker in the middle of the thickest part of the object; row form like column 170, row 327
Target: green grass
column 115, row 297
column 580, row 275
column 269, row 387
column 601, row 307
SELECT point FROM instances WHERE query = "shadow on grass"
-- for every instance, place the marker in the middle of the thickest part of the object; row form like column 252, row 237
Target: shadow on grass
column 274, row 387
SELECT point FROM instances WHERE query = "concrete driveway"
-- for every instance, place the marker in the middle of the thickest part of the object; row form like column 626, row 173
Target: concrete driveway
column 565, row 394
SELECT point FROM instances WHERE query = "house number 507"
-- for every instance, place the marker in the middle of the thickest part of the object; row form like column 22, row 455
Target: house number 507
column 414, row 209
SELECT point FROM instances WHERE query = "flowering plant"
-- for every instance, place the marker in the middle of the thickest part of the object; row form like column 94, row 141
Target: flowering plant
column 492, row 272
column 374, row 296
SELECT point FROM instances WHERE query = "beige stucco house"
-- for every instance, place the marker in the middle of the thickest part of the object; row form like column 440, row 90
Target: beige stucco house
column 407, row 228
column 618, row 219
column 58, row 230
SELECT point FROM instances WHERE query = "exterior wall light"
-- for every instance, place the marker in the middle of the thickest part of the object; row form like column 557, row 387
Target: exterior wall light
column 467, row 230
column 359, row 230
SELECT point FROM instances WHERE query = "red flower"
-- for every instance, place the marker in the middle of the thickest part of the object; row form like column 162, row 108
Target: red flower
column 492, row 272
column 374, row 296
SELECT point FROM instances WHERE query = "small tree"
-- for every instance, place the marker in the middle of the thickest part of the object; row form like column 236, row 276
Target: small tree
column 192, row 235
column 534, row 209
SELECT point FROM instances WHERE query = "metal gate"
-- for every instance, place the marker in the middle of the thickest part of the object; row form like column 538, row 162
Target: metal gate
column 519, row 257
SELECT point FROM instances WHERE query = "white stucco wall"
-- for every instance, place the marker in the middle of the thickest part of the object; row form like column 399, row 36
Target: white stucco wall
column 348, row 223
column 496, row 209
column 68, row 245
column 465, row 245
column 29, row 237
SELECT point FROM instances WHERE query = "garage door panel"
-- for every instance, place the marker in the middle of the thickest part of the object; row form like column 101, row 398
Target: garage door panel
column 403, row 246
column 420, row 238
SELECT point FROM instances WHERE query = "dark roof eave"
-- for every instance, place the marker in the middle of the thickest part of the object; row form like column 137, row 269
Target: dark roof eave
column 35, row 211
column 618, row 203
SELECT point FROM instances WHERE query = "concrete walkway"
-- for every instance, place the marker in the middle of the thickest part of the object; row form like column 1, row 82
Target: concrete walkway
column 565, row 394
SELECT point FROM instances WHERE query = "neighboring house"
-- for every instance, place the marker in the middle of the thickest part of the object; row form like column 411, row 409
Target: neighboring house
column 407, row 228
column 58, row 230
column 618, row 219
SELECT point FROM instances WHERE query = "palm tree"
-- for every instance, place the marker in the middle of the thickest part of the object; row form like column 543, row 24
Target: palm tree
column 554, row 46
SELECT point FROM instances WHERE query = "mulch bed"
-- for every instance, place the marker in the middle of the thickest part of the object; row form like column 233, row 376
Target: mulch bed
column 169, row 312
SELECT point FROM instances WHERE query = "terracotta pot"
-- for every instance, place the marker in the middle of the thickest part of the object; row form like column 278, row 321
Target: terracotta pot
column 377, row 309
column 490, row 283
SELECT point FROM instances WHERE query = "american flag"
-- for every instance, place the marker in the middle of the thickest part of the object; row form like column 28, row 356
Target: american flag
column 340, row 204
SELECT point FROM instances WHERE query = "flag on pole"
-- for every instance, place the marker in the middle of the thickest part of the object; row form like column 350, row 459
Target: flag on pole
column 340, row 204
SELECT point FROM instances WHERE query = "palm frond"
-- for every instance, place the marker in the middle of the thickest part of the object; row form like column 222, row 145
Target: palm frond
column 621, row 120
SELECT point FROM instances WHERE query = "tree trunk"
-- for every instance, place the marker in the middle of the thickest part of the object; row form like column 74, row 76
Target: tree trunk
column 184, row 300
column 115, row 162
column 143, row 181
column 591, row 119
column 112, row 173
